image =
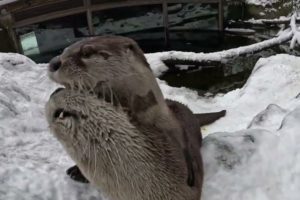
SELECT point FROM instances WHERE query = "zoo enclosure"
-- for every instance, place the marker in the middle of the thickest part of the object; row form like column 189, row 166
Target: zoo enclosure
column 27, row 22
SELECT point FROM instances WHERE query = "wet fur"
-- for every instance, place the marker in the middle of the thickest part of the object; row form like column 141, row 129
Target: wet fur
column 115, row 69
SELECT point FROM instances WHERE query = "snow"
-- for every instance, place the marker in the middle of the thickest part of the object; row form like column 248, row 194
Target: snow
column 252, row 153
column 241, row 30
column 296, row 32
column 32, row 162
column 261, row 90
column 261, row 2
column 281, row 19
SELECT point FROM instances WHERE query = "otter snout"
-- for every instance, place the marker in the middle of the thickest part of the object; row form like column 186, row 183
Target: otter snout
column 54, row 64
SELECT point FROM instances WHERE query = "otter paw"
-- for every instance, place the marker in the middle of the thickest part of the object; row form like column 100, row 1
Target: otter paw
column 75, row 174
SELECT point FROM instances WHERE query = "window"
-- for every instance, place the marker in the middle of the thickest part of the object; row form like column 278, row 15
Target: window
column 44, row 40
column 29, row 44
column 190, row 25
column 141, row 23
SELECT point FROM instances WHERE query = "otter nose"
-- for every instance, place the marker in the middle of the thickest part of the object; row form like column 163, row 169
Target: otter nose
column 54, row 64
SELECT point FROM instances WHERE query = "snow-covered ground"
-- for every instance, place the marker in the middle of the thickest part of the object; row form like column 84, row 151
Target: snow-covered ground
column 252, row 153
column 262, row 2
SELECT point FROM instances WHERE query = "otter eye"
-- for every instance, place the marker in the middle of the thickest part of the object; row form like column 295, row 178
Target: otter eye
column 58, row 113
column 104, row 54
column 87, row 51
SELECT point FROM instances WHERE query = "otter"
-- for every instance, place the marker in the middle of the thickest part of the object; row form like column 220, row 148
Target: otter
column 115, row 69
column 124, row 159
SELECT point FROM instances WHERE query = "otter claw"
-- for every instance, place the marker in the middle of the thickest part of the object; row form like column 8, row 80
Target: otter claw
column 75, row 174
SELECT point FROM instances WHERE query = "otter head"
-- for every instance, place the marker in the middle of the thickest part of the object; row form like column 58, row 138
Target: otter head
column 87, row 126
column 112, row 67
column 64, row 111
column 98, row 60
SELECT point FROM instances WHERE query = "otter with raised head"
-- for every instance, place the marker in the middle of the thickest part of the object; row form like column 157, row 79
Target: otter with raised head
column 114, row 68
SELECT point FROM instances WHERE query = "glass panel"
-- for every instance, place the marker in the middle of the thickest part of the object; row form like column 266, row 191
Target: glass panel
column 29, row 44
column 191, row 25
column 44, row 40
column 142, row 23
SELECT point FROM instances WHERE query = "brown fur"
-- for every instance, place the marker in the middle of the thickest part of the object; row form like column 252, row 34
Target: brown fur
column 115, row 69
column 125, row 160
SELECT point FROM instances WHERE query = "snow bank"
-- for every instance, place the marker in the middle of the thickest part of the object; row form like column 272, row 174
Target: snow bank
column 274, row 80
column 32, row 162
column 255, row 152
column 252, row 153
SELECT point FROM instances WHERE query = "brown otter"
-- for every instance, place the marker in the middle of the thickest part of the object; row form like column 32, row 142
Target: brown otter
column 126, row 160
column 115, row 69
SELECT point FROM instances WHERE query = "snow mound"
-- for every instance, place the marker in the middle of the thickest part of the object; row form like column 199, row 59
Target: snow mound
column 274, row 80
column 252, row 153
column 254, row 164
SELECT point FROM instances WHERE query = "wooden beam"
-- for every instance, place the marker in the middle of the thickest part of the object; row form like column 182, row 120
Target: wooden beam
column 110, row 5
column 106, row 6
column 221, row 16
column 87, row 4
column 166, row 23
column 48, row 16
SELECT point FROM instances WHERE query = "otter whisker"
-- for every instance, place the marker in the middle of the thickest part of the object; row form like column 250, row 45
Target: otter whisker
column 116, row 174
column 95, row 157
column 119, row 157
column 89, row 154
column 85, row 147
column 111, row 95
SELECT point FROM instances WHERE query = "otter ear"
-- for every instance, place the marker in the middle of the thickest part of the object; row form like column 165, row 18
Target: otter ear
column 129, row 48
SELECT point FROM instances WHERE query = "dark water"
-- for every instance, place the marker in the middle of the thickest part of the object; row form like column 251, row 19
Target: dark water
column 208, row 79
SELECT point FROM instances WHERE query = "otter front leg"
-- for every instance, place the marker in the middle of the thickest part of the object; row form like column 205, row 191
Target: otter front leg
column 75, row 174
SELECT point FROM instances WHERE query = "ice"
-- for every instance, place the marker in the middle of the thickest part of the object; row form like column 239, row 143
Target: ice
column 32, row 162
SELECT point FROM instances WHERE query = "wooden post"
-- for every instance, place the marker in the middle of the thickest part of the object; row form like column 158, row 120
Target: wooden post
column 166, row 22
column 221, row 16
column 7, row 22
column 87, row 5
